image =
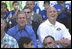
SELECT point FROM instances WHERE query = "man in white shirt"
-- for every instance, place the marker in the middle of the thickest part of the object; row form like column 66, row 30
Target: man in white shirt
column 54, row 28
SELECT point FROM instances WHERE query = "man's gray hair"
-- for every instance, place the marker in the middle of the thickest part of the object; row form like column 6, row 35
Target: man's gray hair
column 20, row 12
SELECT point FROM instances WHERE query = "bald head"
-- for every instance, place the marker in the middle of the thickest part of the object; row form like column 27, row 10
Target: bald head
column 51, row 8
column 52, row 13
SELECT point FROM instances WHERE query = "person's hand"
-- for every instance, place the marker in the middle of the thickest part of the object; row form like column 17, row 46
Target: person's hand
column 62, row 41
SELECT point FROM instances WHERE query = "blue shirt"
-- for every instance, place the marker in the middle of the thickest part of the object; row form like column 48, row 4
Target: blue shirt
column 63, row 13
column 26, row 32
column 44, row 14
column 68, row 6
column 6, row 15
column 58, row 7
column 36, row 9
column 12, row 12
column 13, row 21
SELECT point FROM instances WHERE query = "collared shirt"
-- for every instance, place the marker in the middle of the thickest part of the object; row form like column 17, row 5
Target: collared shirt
column 58, row 31
column 27, row 31
column 7, row 39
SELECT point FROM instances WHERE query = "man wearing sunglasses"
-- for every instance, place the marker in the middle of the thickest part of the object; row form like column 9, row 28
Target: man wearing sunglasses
column 32, row 18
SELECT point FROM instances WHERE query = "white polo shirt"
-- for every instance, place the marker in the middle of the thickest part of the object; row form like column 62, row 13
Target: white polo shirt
column 58, row 31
